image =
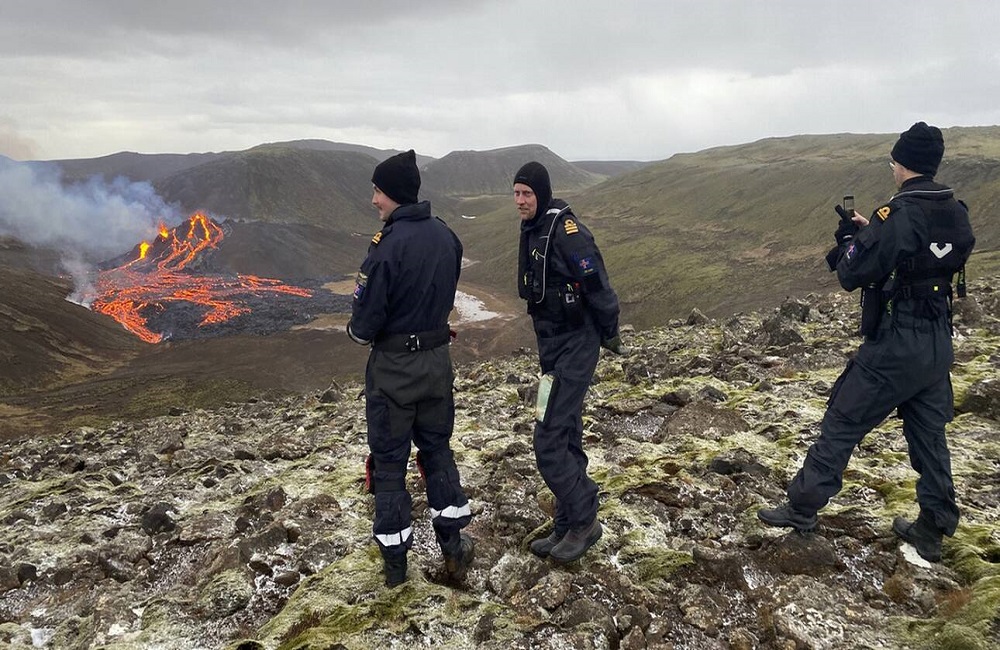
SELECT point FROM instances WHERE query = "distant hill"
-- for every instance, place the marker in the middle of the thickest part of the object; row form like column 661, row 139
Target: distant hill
column 136, row 166
column 726, row 229
column 327, row 145
column 736, row 228
column 280, row 185
column 153, row 167
column 478, row 173
column 610, row 168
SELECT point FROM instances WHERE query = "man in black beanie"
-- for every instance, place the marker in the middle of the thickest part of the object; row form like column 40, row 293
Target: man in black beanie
column 905, row 256
column 574, row 311
column 403, row 295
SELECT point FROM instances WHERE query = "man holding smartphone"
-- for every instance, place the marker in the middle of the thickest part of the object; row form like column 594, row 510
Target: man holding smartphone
column 905, row 256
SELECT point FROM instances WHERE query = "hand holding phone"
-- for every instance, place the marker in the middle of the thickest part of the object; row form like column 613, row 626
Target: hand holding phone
column 847, row 228
column 846, row 211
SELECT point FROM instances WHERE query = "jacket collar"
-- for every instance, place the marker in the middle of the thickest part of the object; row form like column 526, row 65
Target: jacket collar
column 411, row 212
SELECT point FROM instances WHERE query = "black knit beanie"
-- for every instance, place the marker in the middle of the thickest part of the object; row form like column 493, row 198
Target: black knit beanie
column 398, row 177
column 920, row 149
column 535, row 176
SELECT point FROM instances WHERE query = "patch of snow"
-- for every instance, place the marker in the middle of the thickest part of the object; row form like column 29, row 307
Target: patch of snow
column 911, row 556
column 471, row 309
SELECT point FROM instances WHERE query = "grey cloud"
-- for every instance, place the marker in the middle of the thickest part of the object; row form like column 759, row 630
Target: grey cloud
column 585, row 77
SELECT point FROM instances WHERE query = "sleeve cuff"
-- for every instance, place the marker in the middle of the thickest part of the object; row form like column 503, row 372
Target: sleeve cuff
column 354, row 337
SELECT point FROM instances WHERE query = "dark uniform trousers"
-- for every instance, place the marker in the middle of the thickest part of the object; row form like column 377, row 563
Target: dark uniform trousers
column 409, row 397
column 558, row 439
column 906, row 367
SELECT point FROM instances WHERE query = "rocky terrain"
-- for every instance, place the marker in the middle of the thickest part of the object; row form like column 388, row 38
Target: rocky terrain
column 248, row 527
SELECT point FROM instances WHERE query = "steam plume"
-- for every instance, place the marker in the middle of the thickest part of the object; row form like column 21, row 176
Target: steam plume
column 85, row 222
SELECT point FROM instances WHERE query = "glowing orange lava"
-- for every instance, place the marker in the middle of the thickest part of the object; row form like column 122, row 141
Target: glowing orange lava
column 158, row 276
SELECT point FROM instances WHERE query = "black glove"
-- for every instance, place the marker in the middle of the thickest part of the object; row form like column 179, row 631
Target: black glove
column 833, row 257
column 846, row 230
column 613, row 344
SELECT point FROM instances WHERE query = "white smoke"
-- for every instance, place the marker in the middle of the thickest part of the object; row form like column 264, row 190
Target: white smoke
column 83, row 274
column 92, row 220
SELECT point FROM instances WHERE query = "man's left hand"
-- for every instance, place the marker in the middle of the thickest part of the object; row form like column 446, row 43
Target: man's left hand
column 846, row 230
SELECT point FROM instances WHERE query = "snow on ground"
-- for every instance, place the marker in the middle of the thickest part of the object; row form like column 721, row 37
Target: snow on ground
column 471, row 309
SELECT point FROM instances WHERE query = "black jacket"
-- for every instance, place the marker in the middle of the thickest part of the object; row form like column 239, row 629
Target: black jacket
column 561, row 272
column 407, row 282
column 920, row 238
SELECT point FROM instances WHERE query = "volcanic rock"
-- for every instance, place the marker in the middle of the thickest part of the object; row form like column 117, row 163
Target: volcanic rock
column 249, row 526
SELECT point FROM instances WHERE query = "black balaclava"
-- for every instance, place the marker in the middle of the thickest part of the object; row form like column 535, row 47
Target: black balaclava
column 398, row 177
column 920, row 149
column 535, row 176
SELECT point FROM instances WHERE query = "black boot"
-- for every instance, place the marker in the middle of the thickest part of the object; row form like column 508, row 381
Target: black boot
column 544, row 545
column 922, row 534
column 786, row 516
column 576, row 542
column 394, row 567
column 457, row 563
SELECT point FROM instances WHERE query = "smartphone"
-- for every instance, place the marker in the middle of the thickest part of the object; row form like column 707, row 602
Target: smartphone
column 849, row 205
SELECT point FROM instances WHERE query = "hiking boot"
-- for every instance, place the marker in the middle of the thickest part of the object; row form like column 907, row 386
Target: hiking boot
column 395, row 570
column 922, row 535
column 576, row 542
column 786, row 516
column 457, row 565
column 544, row 545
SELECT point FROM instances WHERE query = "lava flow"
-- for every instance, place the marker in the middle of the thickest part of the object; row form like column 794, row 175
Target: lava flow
column 158, row 275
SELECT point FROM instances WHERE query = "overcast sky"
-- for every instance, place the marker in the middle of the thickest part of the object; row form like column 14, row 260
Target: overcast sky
column 590, row 79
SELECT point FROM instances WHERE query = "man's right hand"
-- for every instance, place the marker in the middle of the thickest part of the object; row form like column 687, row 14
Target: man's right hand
column 614, row 344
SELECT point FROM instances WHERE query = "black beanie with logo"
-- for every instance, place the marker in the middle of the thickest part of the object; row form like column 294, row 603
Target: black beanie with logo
column 920, row 149
column 535, row 176
column 398, row 177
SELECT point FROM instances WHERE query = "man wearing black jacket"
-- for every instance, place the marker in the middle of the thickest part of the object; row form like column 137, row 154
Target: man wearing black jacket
column 905, row 256
column 403, row 295
column 574, row 311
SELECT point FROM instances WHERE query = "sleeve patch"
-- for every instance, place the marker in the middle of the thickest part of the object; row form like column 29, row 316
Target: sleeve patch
column 584, row 264
column 571, row 227
column 359, row 286
column 883, row 212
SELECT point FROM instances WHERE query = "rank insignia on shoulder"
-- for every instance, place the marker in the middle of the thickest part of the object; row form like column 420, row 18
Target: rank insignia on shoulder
column 883, row 212
column 571, row 227
column 377, row 238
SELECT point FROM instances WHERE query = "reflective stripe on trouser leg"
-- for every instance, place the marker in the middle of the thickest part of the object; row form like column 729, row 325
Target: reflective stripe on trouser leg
column 447, row 503
column 392, row 529
column 395, row 539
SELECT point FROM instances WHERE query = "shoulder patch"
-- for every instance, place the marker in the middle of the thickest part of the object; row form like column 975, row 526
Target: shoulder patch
column 377, row 238
column 571, row 227
column 359, row 285
column 883, row 212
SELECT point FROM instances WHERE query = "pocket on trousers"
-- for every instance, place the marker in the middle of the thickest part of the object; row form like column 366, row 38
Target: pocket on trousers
column 837, row 384
column 858, row 396
column 377, row 415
